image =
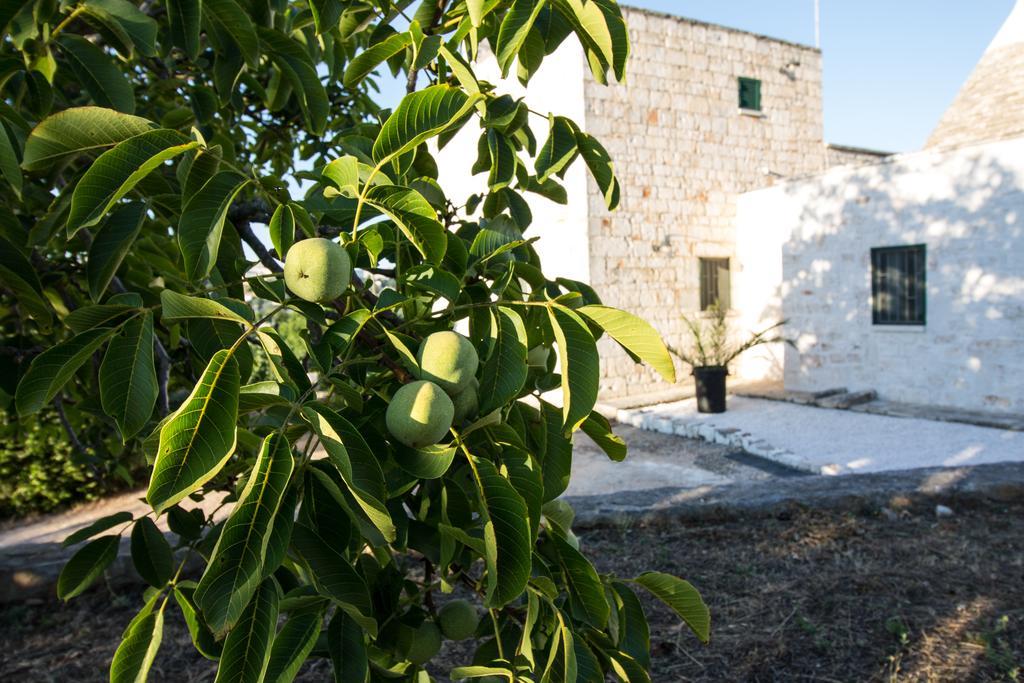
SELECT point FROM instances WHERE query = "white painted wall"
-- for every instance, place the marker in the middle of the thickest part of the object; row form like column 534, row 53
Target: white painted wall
column 557, row 87
column 806, row 244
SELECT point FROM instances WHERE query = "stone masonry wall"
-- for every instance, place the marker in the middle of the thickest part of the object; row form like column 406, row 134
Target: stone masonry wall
column 964, row 205
column 841, row 155
column 683, row 151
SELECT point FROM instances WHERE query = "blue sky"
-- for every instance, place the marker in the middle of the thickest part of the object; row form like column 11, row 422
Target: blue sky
column 891, row 67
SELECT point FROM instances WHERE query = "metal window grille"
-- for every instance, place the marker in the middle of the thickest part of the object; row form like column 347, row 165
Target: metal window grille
column 750, row 93
column 714, row 283
column 898, row 292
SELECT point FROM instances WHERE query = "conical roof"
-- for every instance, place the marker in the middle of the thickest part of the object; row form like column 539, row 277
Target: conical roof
column 990, row 105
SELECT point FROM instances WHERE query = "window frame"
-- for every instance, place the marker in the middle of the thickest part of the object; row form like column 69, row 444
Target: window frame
column 710, row 282
column 755, row 85
column 910, row 262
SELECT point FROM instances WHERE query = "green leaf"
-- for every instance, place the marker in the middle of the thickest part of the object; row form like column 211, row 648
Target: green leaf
column 333, row 575
column 463, row 673
column 628, row 669
column 98, row 315
column 616, row 26
column 369, row 59
column 635, row 335
column 356, row 463
column 326, row 14
column 297, row 67
column 505, row 370
column 202, row 222
column 184, row 16
column 601, row 167
column 101, row 524
column 236, row 566
column 229, row 27
column 199, row 437
column 247, row 648
column 78, row 130
column 683, row 598
column 503, row 161
column 111, row 244
column 202, row 637
column 118, row 170
column 475, row 9
column 557, row 463
column 151, row 553
column 507, row 535
column 634, row 636
column 9, row 168
column 292, row 645
column 135, row 654
column 175, row 307
column 52, row 369
column 513, row 31
column 347, row 647
column 18, row 275
column 97, row 73
column 86, row 565
column 559, row 149
column 527, row 478
column 420, row 116
column 577, row 355
column 344, row 174
column 414, row 216
column 282, row 229
column 428, row 462
column 585, row 587
column 128, row 384
column 599, row 429
column 134, row 22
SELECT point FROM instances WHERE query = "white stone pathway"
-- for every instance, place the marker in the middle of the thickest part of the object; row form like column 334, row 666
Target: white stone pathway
column 828, row 441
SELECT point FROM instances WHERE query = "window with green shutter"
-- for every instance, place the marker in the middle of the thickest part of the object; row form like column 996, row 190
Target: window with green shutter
column 750, row 93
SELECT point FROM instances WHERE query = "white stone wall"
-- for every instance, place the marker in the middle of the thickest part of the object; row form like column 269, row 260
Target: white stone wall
column 683, row 152
column 557, row 87
column 966, row 206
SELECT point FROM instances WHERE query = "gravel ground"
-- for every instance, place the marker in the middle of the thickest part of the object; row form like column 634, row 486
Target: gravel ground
column 803, row 596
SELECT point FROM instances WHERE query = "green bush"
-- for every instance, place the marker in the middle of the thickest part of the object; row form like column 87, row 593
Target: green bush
column 40, row 470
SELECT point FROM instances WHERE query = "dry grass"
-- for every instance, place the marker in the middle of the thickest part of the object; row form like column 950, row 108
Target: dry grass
column 809, row 596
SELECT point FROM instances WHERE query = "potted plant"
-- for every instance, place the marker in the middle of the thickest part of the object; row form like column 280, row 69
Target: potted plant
column 712, row 352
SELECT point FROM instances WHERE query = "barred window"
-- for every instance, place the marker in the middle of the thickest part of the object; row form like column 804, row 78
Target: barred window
column 714, row 283
column 898, row 285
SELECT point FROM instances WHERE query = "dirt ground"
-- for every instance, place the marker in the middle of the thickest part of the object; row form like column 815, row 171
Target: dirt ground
column 803, row 596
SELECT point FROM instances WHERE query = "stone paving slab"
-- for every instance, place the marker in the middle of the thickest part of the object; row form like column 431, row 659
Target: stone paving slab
column 868, row 402
column 823, row 441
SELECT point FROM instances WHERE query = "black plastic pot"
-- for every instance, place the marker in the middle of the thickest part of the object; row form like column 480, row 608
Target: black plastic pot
column 710, row 383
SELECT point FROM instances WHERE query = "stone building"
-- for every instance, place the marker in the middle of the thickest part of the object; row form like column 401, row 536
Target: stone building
column 898, row 273
column 707, row 113
column 905, row 276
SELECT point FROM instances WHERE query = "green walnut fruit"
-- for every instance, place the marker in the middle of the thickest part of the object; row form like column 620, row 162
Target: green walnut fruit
column 317, row 270
column 420, row 414
column 467, row 402
column 425, row 643
column 448, row 359
column 458, row 619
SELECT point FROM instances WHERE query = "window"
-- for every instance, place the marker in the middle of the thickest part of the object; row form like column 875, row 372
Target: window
column 750, row 93
column 898, row 285
column 714, row 283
